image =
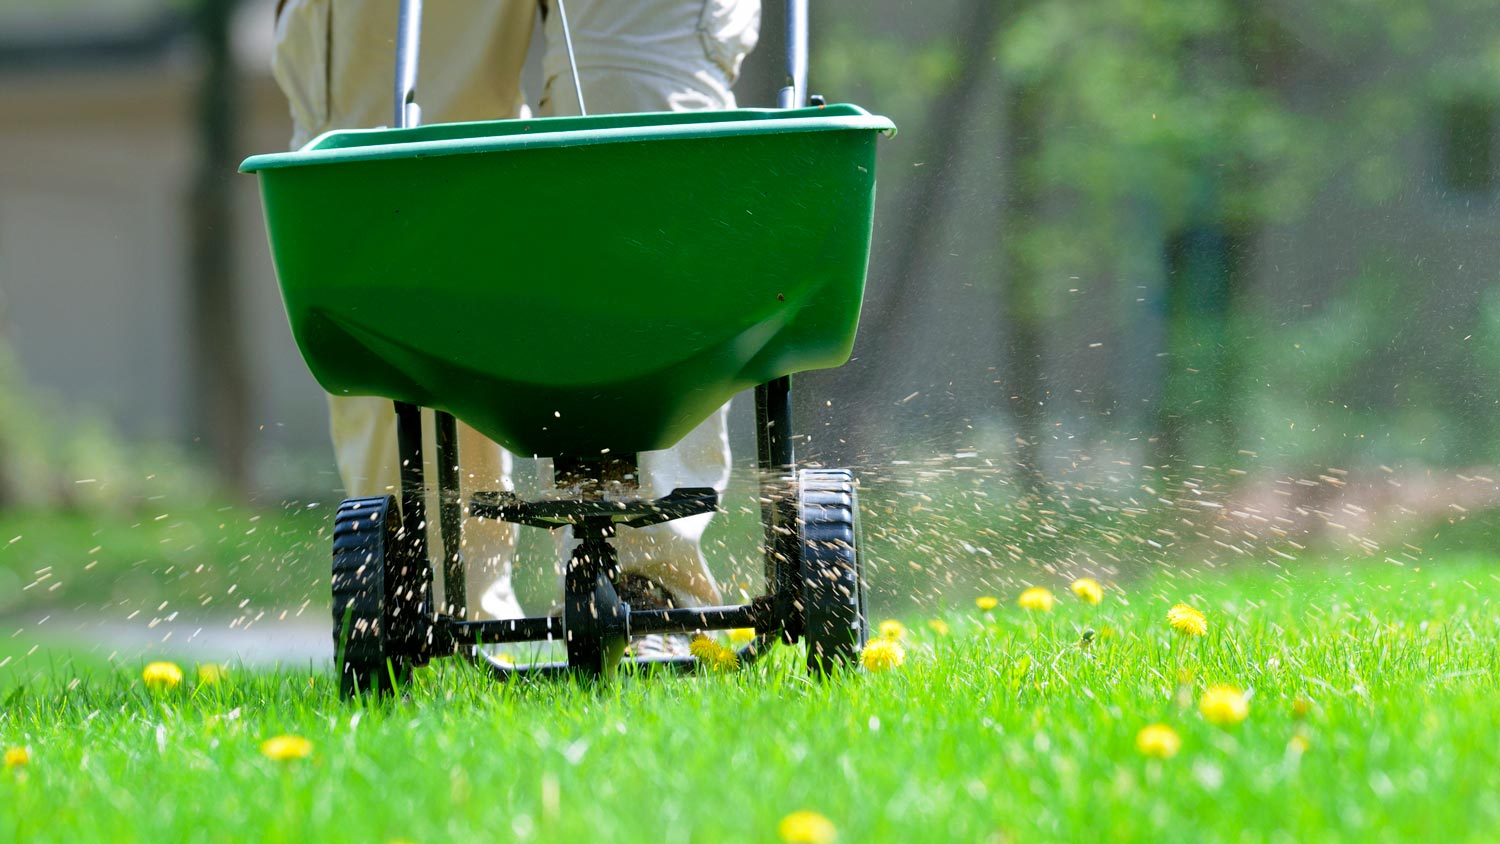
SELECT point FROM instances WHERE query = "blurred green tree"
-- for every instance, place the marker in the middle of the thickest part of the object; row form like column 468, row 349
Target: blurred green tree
column 1192, row 132
column 221, row 377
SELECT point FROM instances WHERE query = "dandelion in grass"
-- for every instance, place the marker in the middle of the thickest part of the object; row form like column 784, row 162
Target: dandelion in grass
column 162, row 677
column 807, row 828
column 713, row 655
column 210, row 674
column 938, row 626
column 1037, row 599
column 17, row 757
column 1224, row 705
column 1298, row 745
column 1187, row 621
column 893, row 630
column 741, row 636
column 286, row 748
column 986, row 602
column 1158, row 740
column 882, row 655
column 1088, row 590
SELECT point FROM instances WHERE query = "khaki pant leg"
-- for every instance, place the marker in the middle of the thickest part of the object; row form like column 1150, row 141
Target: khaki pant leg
column 335, row 60
column 658, row 55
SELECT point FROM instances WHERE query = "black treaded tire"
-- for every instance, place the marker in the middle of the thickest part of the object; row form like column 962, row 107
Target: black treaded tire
column 373, row 623
column 833, row 594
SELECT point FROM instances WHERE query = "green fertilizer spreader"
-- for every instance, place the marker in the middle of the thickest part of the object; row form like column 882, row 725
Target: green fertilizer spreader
column 581, row 289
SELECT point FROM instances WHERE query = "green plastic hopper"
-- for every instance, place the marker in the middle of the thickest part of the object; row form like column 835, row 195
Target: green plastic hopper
column 573, row 285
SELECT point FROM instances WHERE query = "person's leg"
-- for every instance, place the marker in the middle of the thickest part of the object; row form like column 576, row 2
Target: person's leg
column 659, row 55
column 649, row 55
column 363, row 429
column 335, row 60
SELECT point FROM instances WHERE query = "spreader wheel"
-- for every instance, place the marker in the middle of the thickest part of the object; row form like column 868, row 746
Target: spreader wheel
column 595, row 622
column 833, row 595
column 595, row 631
column 377, row 599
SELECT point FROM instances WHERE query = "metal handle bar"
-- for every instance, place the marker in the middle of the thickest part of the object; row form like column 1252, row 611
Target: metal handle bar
column 794, row 93
column 408, row 45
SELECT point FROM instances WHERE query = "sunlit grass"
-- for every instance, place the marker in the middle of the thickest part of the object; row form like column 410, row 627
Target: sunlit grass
column 1372, row 716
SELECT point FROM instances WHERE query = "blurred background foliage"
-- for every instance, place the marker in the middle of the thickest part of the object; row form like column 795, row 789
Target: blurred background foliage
column 1166, row 155
column 1131, row 257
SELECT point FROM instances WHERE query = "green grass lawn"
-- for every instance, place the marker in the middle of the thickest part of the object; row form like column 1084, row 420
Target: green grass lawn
column 1373, row 716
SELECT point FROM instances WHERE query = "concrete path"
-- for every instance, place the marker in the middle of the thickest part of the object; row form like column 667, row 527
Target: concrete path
column 291, row 641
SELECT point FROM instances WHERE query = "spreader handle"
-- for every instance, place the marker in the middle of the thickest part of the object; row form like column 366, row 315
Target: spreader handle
column 408, row 45
column 794, row 93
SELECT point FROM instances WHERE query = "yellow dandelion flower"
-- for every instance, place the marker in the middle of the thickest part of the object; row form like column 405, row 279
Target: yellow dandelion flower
column 1184, row 619
column 713, row 655
column 1088, row 590
column 1298, row 745
column 986, row 602
column 1037, row 598
column 807, row 828
column 1158, row 740
column 210, row 674
column 938, row 626
column 162, row 676
column 741, row 636
column 17, row 757
column 726, row 659
column 893, row 630
column 282, row 748
column 883, row 655
column 1224, row 705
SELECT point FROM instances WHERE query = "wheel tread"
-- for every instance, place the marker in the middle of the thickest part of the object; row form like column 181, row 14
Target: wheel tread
column 835, row 625
column 362, row 636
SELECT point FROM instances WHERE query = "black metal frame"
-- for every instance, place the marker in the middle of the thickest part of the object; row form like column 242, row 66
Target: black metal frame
column 590, row 577
column 777, row 461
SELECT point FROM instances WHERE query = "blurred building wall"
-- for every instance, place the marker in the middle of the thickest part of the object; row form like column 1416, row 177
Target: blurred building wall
column 97, row 151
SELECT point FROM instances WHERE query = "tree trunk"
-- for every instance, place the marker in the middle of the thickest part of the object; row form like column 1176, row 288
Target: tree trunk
column 1195, row 415
column 1022, row 380
column 1208, row 262
column 897, row 269
column 219, row 372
